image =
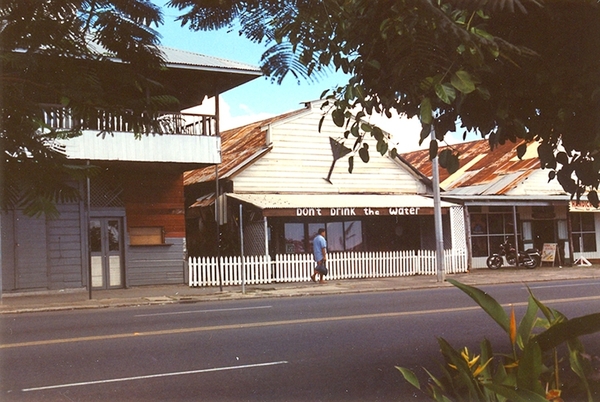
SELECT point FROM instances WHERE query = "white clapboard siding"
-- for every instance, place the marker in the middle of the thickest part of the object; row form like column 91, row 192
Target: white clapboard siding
column 204, row 271
column 301, row 157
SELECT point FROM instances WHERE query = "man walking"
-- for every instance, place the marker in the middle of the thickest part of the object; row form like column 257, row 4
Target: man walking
column 320, row 254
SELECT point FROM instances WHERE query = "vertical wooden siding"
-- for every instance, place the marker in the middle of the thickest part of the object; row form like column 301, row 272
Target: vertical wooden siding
column 64, row 248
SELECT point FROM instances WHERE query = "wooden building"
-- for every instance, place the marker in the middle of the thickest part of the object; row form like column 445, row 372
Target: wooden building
column 509, row 196
column 129, row 227
column 280, row 177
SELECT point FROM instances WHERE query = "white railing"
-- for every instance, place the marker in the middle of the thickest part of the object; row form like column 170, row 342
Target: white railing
column 252, row 270
column 61, row 118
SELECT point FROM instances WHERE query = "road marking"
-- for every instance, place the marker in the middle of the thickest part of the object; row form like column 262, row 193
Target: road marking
column 565, row 286
column 204, row 311
column 275, row 323
column 145, row 377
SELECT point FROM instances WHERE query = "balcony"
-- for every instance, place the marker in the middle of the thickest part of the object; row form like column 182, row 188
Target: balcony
column 184, row 138
column 60, row 118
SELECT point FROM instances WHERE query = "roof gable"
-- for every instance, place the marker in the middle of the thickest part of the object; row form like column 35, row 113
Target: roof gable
column 299, row 159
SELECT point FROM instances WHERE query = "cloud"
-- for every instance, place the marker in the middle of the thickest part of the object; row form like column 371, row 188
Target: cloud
column 227, row 121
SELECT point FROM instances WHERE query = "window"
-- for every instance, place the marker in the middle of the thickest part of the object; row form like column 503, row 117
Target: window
column 488, row 230
column 584, row 231
column 294, row 238
column 341, row 236
column 146, row 236
column 344, row 236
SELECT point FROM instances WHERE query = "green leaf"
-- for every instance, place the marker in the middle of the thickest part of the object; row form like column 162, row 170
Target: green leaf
column 527, row 323
column 382, row 147
column 364, row 153
column 530, row 369
column 377, row 133
column 445, row 92
column 515, row 395
column 449, row 161
column 521, row 149
column 338, row 117
column 593, row 198
column 433, row 149
column 321, row 122
column 567, row 330
column 426, row 112
column 425, row 133
column 462, row 81
column 486, row 302
column 350, row 164
column 410, row 377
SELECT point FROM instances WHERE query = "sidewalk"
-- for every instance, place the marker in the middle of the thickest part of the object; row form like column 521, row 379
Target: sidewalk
column 152, row 295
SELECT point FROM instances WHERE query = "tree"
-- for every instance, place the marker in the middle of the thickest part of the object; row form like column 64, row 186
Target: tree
column 85, row 55
column 508, row 70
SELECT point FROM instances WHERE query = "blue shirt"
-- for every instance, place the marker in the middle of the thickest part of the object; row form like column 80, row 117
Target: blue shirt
column 319, row 243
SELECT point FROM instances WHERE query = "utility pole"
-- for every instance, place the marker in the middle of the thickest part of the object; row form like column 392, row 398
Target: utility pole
column 437, row 215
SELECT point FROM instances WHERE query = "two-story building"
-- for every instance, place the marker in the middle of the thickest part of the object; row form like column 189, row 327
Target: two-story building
column 129, row 227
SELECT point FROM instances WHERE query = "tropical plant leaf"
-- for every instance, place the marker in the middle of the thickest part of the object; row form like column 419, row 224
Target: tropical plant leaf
column 487, row 303
column 530, row 368
column 409, row 376
column 515, row 395
column 462, row 81
column 567, row 330
column 527, row 323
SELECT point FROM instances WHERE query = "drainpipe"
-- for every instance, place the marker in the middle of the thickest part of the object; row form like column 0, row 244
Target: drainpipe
column 217, row 211
column 88, row 207
column 242, row 250
column 516, row 232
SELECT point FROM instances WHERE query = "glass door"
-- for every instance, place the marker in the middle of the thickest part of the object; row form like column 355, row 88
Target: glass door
column 106, row 253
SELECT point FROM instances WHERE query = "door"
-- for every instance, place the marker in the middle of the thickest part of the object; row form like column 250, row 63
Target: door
column 544, row 231
column 106, row 247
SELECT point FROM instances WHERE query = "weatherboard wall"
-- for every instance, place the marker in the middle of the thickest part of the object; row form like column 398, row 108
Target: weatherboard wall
column 301, row 157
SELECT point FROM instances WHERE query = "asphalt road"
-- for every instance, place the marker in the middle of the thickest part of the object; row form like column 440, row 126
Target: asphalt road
column 326, row 348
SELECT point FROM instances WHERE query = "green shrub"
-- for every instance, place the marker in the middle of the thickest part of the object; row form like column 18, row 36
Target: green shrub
column 531, row 372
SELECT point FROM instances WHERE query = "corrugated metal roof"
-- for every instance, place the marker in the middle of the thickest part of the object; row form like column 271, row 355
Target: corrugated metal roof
column 239, row 146
column 482, row 171
column 181, row 58
column 283, row 201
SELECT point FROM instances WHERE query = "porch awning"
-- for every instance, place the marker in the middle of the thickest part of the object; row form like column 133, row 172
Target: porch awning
column 340, row 204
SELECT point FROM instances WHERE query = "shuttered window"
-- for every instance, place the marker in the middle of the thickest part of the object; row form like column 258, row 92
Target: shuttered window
column 146, row 236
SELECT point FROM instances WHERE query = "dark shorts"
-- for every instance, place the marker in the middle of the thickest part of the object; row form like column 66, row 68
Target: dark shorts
column 322, row 268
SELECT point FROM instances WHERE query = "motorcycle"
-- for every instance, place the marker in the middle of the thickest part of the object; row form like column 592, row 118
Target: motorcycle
column 529, row 258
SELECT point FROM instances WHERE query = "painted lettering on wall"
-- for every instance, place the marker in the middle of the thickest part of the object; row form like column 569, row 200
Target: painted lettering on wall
column 347, row 211
column 405, row 211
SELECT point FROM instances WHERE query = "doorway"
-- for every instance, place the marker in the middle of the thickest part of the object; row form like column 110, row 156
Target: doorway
column 106, row 245
column 544, row 231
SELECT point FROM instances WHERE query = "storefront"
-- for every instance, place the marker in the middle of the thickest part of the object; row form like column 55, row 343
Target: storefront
column 287, row 224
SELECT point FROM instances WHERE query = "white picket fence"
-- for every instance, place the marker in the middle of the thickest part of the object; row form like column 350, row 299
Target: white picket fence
column 252, row 270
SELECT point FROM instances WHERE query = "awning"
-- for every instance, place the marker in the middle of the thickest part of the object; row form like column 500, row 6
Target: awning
column 302, row 205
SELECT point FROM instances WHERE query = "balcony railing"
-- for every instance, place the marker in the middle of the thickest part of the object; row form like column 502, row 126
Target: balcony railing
column 61, row 118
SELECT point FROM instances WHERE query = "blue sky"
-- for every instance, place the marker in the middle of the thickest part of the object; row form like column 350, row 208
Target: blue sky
column 260, row 97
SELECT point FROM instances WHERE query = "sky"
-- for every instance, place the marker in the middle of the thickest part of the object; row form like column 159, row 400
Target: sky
column 260, row 99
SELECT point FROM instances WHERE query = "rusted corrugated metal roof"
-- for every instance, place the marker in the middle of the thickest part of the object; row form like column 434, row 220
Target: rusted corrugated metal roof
column 483, row 170
column 239, row 146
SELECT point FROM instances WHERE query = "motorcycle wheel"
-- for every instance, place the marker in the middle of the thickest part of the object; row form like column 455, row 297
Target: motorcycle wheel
column 494, row 261
column 532, row 263
column 511, row 259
